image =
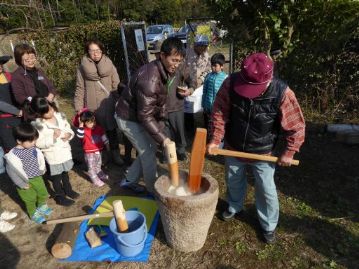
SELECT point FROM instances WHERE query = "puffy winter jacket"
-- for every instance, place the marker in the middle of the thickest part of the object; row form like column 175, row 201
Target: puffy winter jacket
column 144, row 100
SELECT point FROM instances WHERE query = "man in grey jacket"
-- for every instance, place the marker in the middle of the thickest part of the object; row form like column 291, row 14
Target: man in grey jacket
column 141, row 112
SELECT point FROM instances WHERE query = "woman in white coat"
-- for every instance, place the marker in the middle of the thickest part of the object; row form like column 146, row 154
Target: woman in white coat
column 54, row 135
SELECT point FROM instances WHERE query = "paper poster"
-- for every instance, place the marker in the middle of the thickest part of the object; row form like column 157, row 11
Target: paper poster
column 139, row 40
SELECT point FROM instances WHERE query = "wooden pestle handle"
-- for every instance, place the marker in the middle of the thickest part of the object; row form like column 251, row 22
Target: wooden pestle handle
column 245, row 155
column 171, row 155
column 79, row 218
column 119, row 213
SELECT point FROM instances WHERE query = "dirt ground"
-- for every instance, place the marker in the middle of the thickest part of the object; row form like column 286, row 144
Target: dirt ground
column 318, row 220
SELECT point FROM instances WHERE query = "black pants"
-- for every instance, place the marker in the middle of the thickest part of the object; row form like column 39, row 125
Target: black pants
column 7, row 140
column 61, row 184
column 128, row 148
column 112, row 138
column 189, row 124
column 176, row 130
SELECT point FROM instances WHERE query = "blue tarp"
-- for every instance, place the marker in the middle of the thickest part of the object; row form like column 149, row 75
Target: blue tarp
column 107, row 251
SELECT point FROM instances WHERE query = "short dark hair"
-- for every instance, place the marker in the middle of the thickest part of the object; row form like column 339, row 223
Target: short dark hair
column 96, row 42
column 218, row 58
column 173, row 45
column 87, row 116
column 40, row 106
column 25, row 132
column 20, row 50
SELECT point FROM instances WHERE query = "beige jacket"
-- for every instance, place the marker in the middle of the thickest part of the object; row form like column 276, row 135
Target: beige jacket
column 89, row 92
column 198, row 67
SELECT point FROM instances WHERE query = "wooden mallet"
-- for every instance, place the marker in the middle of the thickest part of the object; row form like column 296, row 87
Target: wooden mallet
column 62, row 247
column 251, row 156
column 119, row 212
column 197, row 160
column 171, row 155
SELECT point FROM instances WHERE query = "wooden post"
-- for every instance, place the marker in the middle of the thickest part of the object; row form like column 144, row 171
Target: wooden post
column 197, row 160
column 120, row 216
column 62, row 248
column 171, row 155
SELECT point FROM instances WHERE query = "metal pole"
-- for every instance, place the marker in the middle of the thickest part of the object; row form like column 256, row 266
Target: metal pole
column 126, row 54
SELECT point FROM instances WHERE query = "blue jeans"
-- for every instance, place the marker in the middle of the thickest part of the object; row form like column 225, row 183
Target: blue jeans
column 265, row 190
column 145, row 164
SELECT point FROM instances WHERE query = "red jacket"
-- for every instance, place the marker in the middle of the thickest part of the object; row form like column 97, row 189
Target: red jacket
column 93, row 140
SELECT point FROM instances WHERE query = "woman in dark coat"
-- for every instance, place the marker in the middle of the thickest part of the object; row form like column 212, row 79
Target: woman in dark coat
column 28, row 80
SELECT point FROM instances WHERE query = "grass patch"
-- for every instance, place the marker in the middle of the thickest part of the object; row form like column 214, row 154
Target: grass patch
column 240, row 247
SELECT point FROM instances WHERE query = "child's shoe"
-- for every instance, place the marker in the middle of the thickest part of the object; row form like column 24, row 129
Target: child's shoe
column 7, row 215
column 62, row 200
column 44, row 210
column 72, row 194
column 99, row 183
column 38, row 218
column 5, row 226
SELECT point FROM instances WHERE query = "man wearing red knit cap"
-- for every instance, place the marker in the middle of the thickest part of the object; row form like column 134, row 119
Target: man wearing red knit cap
column 251, row 108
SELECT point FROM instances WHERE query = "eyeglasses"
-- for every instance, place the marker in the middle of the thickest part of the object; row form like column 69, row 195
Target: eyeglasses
column 95, row 51
column 30, row 59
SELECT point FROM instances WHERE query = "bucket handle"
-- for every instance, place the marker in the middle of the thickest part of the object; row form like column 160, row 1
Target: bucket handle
column 130, row 245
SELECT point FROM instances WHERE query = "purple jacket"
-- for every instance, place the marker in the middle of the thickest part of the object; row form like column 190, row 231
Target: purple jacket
column 23, row 86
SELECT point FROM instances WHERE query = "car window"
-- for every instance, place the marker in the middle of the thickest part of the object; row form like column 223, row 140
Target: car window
column 183, row 29
column 154, row 29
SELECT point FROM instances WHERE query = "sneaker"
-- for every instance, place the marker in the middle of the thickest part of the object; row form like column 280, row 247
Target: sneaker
column 38, row 218
column 7, row 215
column 72, row 194
column 269, row 237
column 181, row 156
column 44, row 210
column 5, row 226
column 132, row 186
column 62, row 200
column 228, row 214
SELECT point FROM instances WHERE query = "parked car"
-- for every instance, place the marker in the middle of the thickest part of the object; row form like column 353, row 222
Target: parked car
column 156, row 33
column 184, row 31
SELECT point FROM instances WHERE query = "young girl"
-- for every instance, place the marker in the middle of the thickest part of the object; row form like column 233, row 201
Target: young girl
column 94, row 140
column 54, row 136
column 25, row 165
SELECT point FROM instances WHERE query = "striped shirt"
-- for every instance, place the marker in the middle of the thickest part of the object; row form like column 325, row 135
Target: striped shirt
column 291, row 119
column 29, row 161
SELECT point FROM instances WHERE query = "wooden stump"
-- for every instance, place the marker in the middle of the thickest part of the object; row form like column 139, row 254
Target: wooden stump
column 62, row 248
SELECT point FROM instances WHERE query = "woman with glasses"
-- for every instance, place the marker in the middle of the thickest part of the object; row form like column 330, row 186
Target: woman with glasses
column 96, row 87
column 28, row 80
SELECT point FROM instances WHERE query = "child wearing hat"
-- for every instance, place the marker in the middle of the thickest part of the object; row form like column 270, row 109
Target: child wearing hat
column 250, row 110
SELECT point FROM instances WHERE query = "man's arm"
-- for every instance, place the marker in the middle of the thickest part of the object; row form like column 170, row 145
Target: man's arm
column 293, row 125
column 10, row 109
